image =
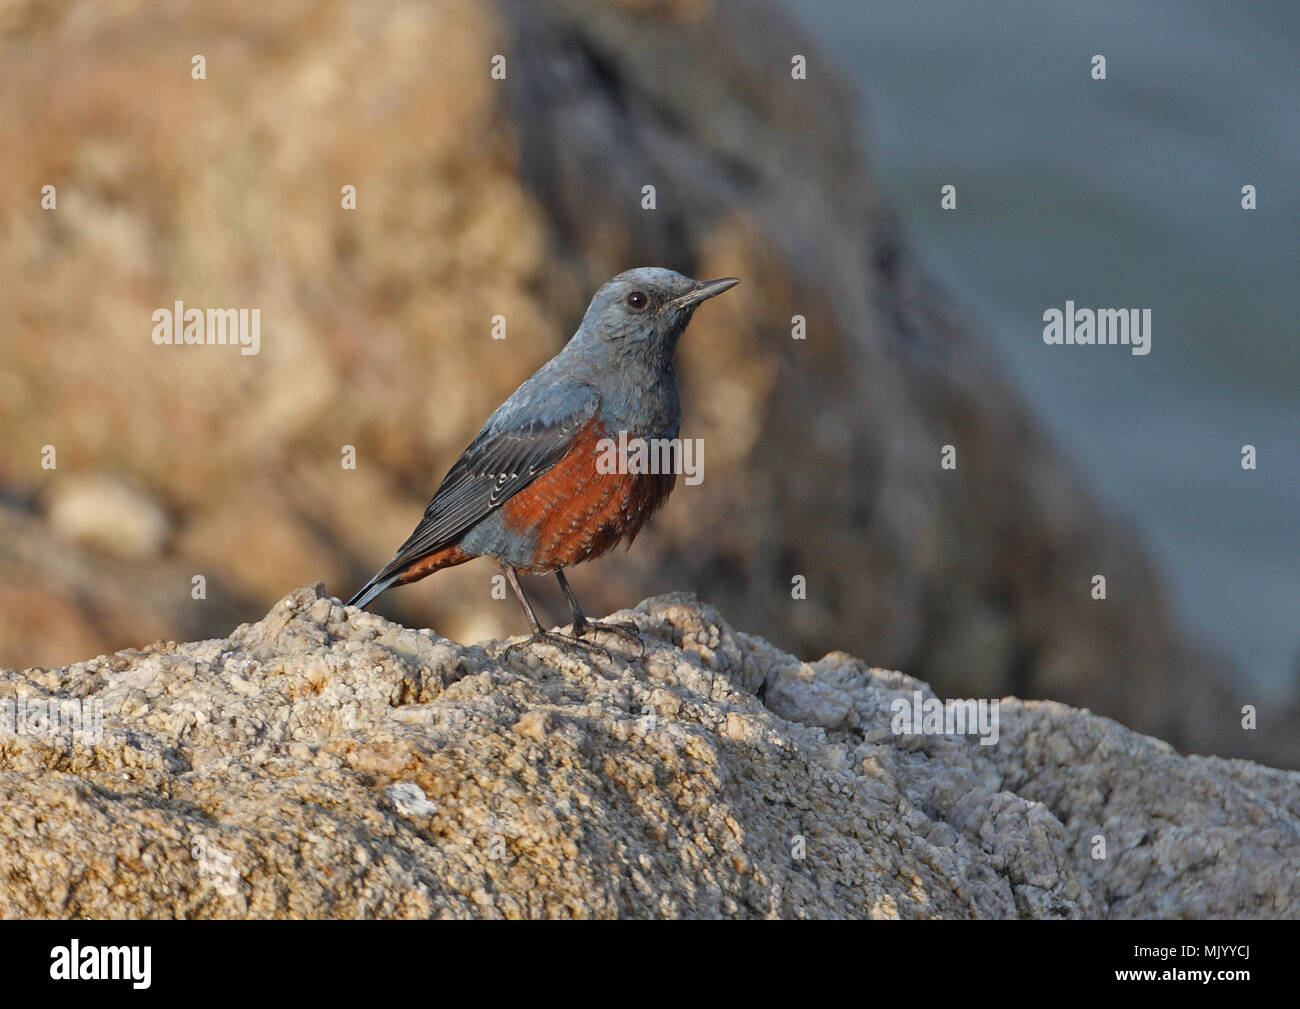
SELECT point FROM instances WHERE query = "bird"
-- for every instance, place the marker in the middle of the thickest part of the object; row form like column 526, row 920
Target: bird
column 528, row 491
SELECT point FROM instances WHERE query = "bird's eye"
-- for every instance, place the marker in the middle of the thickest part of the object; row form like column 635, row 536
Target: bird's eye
column 637, row 300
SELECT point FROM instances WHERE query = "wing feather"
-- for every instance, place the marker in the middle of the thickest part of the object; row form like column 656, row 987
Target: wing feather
column 501, row 461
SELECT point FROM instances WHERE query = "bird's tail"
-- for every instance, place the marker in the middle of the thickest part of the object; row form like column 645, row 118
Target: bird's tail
column 382, row 581
column 412, row 563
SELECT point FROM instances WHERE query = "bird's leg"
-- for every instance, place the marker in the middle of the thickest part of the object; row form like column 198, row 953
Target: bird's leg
column 581, row 624
column 513, row 578
column 539, row 634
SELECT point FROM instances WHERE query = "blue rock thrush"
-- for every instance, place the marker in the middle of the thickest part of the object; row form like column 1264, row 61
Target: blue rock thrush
column 528, row 491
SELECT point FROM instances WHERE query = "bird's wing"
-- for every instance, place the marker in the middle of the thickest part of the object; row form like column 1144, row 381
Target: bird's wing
column 512, row 450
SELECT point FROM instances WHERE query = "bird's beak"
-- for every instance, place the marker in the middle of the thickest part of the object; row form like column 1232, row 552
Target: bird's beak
column 703, row 291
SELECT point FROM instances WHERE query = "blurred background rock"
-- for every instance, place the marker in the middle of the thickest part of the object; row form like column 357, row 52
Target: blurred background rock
column 477, row 198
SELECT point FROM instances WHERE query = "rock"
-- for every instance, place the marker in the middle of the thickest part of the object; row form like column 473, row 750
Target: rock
column 106, row 513
column 324, row 762
column 477, row 198
column 60, row 600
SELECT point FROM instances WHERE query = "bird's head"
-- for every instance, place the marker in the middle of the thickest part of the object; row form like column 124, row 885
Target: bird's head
column 642, row 312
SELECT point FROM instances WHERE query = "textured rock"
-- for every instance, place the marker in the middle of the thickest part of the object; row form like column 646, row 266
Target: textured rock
column 478, row 197
column 108, row 515
column 325, row 762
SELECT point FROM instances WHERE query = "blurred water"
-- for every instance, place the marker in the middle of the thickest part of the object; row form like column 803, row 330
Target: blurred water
column 1122, row 193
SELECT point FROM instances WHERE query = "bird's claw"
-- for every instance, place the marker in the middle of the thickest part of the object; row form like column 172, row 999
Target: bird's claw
column 627, row 631
column 560, row 641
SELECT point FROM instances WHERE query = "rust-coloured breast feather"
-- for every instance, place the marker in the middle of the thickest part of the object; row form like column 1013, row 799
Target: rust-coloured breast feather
column 578, row 512
column 447, row 557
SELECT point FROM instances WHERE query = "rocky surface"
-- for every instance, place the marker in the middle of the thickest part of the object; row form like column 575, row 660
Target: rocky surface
column 324, row 762
column 479, row 197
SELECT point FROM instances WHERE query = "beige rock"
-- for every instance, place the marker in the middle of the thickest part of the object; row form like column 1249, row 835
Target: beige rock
column 325, row 762
column 107, row 513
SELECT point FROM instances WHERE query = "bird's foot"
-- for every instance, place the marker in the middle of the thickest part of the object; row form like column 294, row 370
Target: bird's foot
column 560, row 641
column 627, row 631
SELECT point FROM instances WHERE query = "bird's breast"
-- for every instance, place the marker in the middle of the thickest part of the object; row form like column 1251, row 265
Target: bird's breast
column 602, row 491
